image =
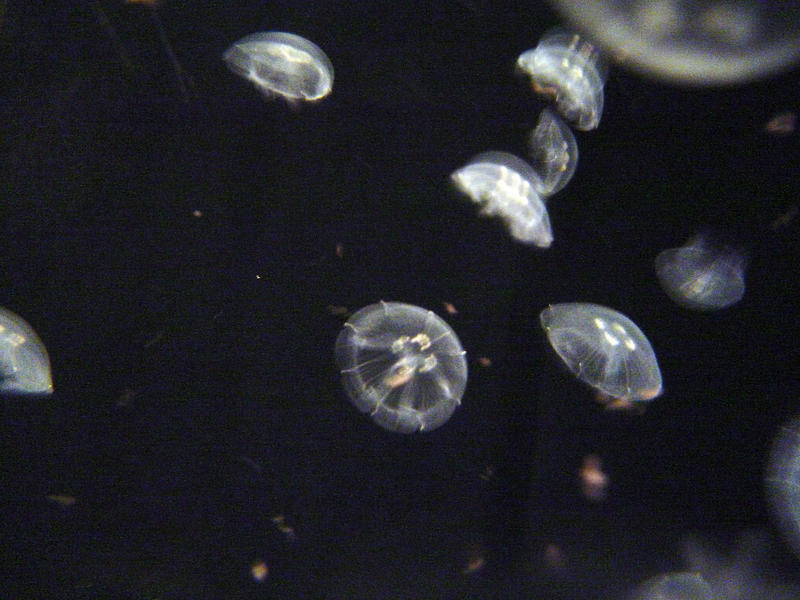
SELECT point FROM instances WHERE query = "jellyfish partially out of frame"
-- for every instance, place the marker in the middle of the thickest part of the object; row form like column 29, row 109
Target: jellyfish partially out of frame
column 783, row 482
column 604, row 349
column 403, row 365
column 674, row 586
column 703, row 274
column 24, row 363
column 568, row 70
column 282, row 65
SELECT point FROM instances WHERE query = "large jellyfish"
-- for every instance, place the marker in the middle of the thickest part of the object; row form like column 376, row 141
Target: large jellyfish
column 783, row 481
column 282, row 64
column 674, row 586
column 569, row 70
column 702, row 275
column 604, row 349
column 403, row 365
column 699, row 42
column 24, row 364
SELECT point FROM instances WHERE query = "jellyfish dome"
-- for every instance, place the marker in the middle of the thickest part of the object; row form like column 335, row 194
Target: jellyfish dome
column 24, row 364
column 553, row 152
column 697, row 42
column 783, row 482
column 569, row 70
column 403, row 365
column 604, row 349
column 702, row 275
column 674, row 586
column 283, row 65
column 508, row 187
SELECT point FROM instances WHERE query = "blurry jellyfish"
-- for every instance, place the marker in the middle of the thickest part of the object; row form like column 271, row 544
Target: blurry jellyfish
column 604, row 349
column 403, row 365
column 509, row 188
column 24, row 364
column 783, row 482
column 553, row 151
column 674, row 586
column 282, row 64
column 699, row 42
column 702, row 275
column 567, row 69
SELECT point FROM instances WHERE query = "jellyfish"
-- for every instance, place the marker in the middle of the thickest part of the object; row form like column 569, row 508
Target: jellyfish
column 702, row 275
column 507, row 187
column 568, row 70
column 604, row 349
column 674, row 586
column 403, row 365
column 701, row 42
column 24, row 364
column 783, row 482
column 282, row 64
column 553, row 152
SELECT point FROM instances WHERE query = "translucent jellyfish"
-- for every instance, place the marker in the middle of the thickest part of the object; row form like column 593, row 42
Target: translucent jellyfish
column 783, row 482
column 703, row 274
column 24, row 364
column 604, row 349
column 282, row 64
column 700, row 42
column 567, row 69
column 403, row 365
column 674, row 586
column 509, row 188
column 553, row 151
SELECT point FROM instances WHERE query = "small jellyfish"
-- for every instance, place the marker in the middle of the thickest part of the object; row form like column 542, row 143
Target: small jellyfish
column 604, row 349
column 24, row 364
column 674, row 586
column 783, row 482
column 509, row 188
column 403, row 365
column 702, row 275
column 553, row 152
column 282, row 64
column 568, row 70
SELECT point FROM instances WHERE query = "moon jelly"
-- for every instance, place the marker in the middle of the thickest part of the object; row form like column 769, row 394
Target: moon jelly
column 24, row 364
column 604, row 349
column 567, row 69
column 403, row 365
column 674, row 586
column 702, row 275
column 282, row 64
column 783, row 482
column 553, row 152
column 508, row 187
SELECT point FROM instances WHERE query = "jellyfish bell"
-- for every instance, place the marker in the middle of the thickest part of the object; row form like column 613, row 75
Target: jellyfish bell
column 282, row 65
column 568, row 70
column 553, row 152
column 704, row 274
column 507, row 187
column 604, row 349
column 782, row 481
column 696, row 42
column 24, row 363
column 403, row 365
column 674, row 586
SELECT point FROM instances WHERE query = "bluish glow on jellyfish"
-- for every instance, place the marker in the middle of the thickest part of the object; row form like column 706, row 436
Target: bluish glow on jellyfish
column 24, row 364
column 702, row 275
